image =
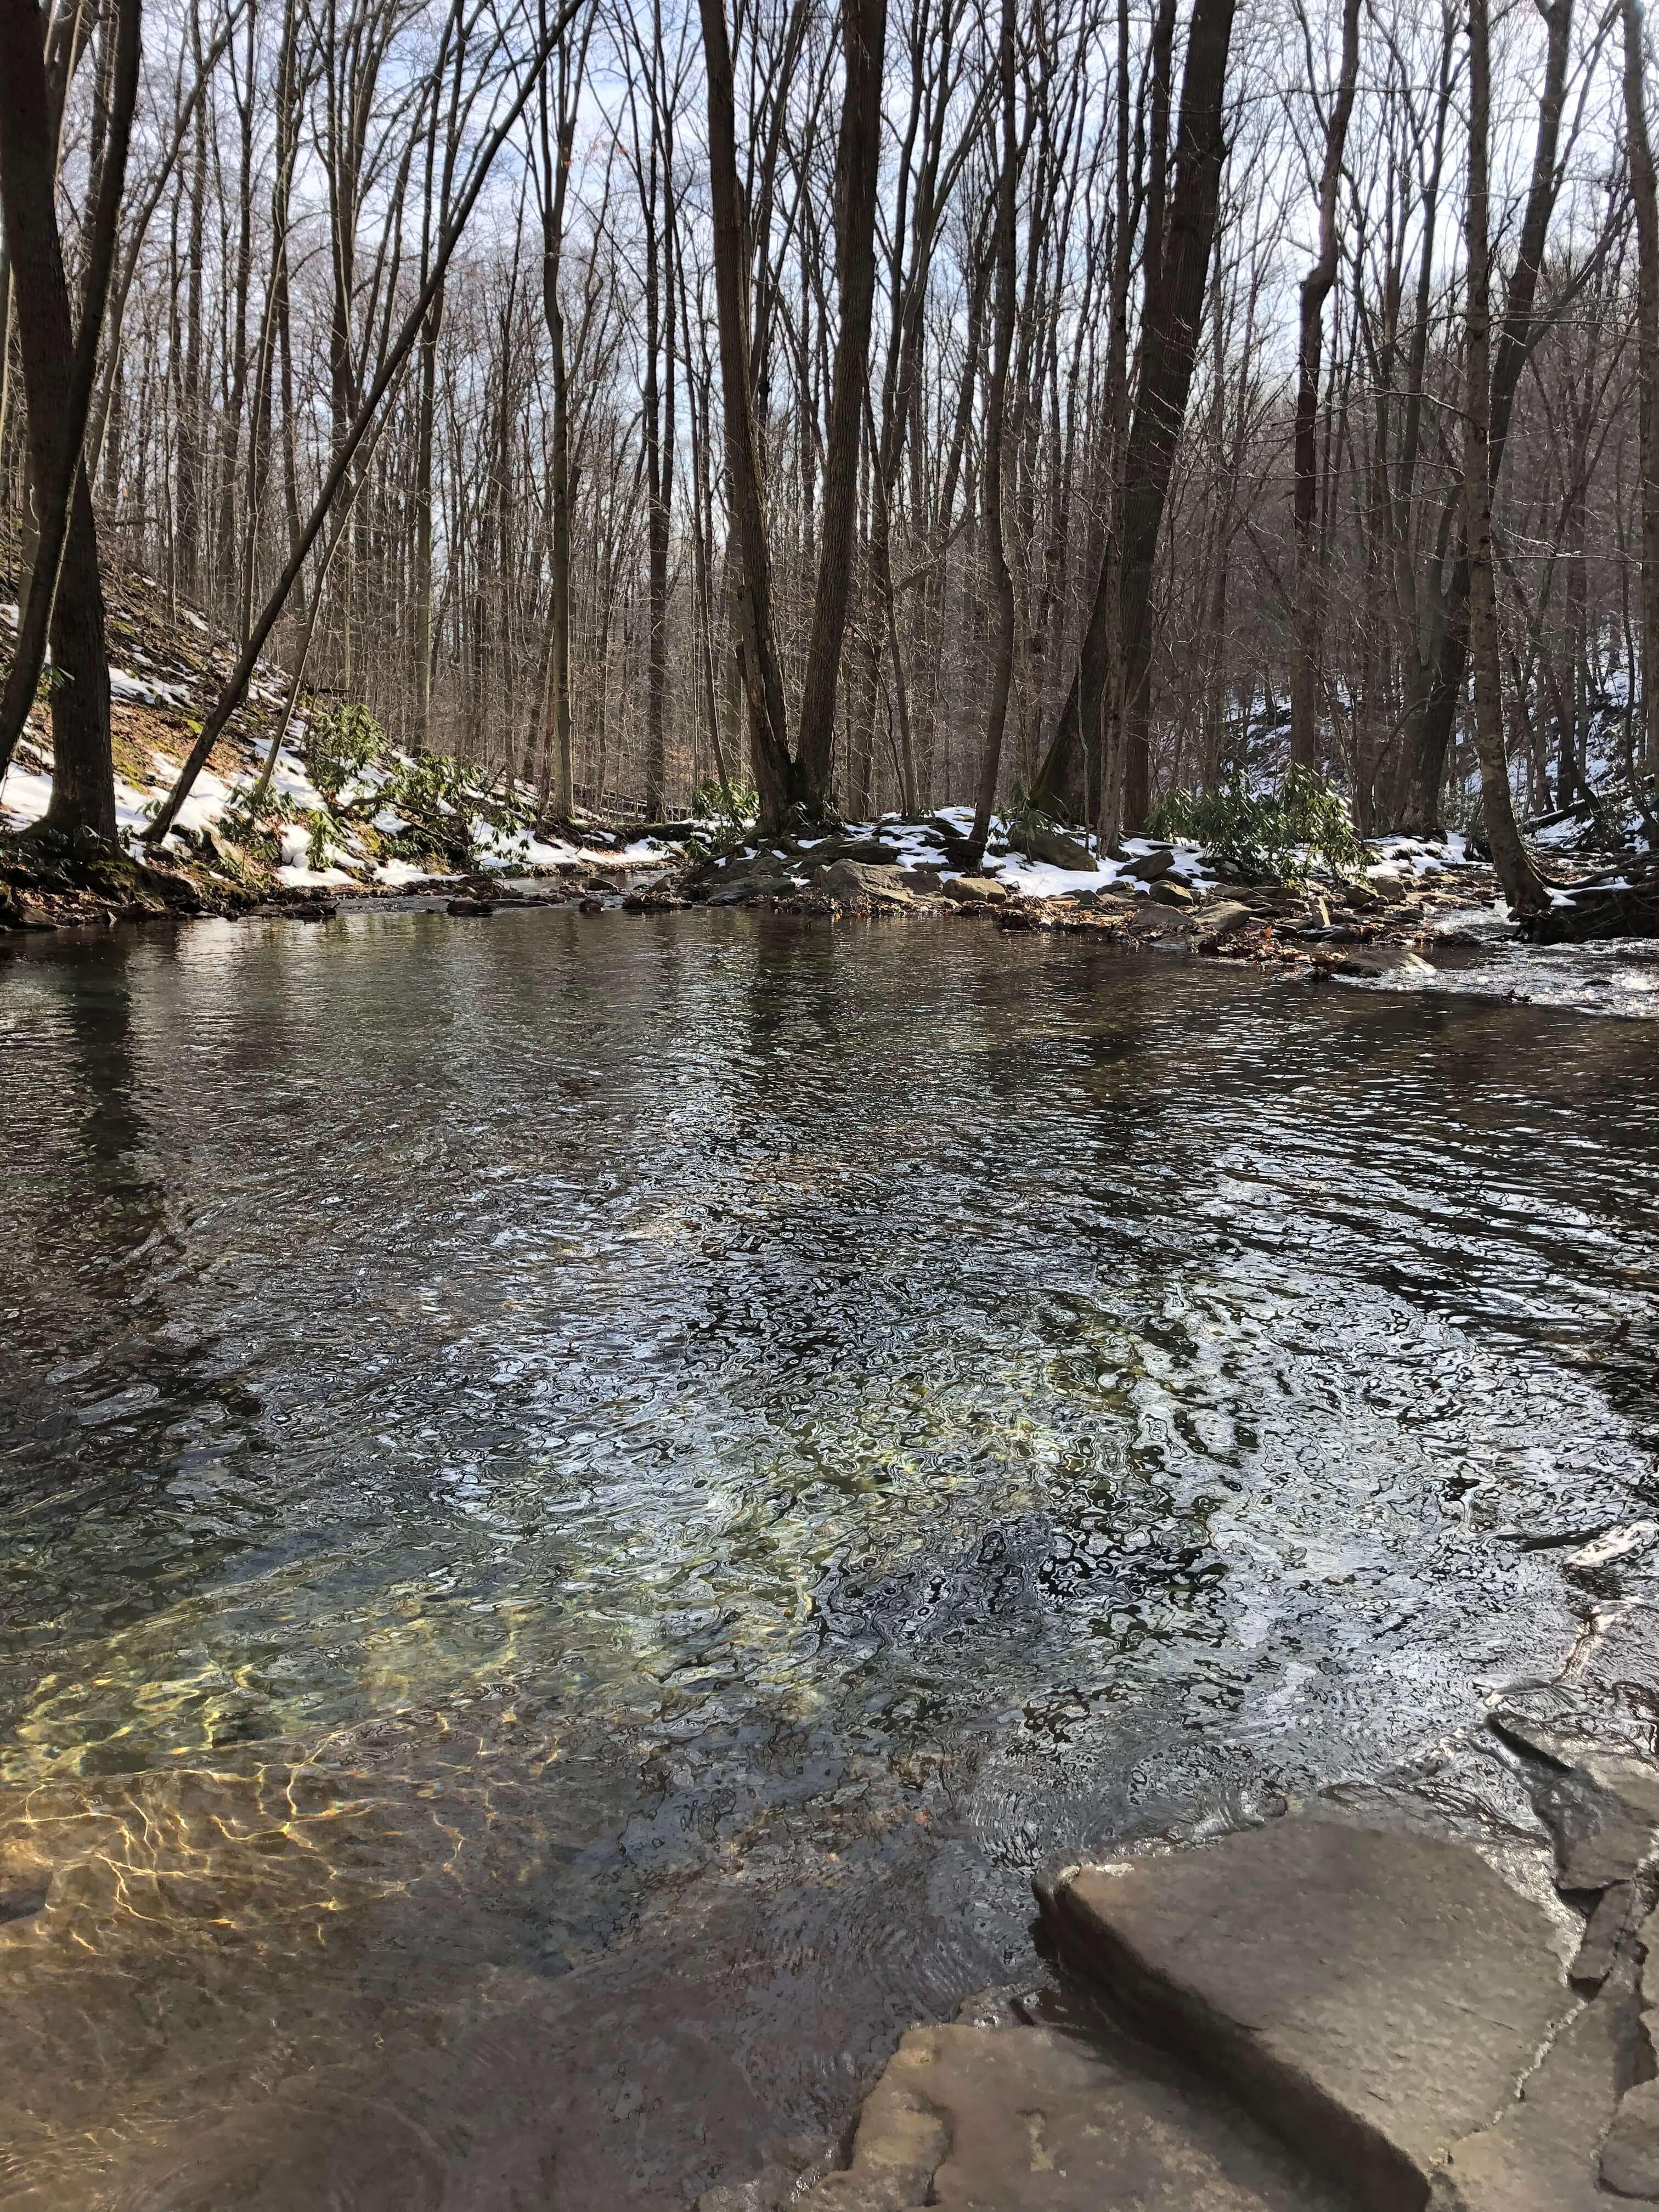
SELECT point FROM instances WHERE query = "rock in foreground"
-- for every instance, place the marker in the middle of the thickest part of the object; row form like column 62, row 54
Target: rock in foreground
column 1025, row 2119
column 1374, row 1997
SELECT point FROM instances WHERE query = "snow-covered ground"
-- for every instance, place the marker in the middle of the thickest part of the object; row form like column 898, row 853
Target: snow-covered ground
column 916, row 844
column 1424, row 859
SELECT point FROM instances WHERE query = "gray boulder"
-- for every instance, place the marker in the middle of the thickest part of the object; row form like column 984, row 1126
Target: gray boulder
column 1151, row 867
column 1373, row 1997
column 1224, row 919
column 858, row 879
column 1629, row 2156
column 873, row 852
column 1602, row 1805
column 1059, row 850
column 1538, row 2154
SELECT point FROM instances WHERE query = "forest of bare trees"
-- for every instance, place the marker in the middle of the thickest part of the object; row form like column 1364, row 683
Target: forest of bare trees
column 884, row 407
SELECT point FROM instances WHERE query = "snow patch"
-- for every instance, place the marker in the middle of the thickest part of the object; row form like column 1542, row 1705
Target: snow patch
column 24, row 796
column 305, row 879
column 146, row 691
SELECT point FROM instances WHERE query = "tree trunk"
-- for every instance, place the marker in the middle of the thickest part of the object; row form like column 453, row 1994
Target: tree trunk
column 1522, row 886
column 1168, row 355
column 556, row 148
column 857, row 164
column 1315, row 290
column 193, row 422
column 395, row 354
column 1441, row 685
column 758, row 650
column 58, row 377
column 1174, row 311
column 1002, row 582
column 1640, row 147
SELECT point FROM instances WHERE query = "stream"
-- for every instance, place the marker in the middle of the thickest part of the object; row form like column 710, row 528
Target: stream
column 583, row 1500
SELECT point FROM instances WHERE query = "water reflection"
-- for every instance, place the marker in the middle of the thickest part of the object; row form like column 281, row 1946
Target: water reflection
column 581, row 1501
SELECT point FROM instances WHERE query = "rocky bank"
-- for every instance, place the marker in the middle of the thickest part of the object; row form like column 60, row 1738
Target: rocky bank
column 1435, row 1993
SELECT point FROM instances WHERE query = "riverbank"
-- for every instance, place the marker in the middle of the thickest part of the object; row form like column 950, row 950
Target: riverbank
column 1418, row 918
column 307, row 804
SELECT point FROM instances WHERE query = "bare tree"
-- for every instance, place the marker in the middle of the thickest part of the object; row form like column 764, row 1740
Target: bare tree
column 778, row 408
column 1639, row 148
column 1522, row 886
column 65, row 594
column 1316, row 291
column 1002, row 341
column 858, row 156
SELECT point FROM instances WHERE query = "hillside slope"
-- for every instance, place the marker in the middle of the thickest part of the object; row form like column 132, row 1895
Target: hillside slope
column 341, row 809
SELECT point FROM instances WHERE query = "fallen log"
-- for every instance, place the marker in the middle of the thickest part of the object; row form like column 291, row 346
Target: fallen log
column 1627, row 908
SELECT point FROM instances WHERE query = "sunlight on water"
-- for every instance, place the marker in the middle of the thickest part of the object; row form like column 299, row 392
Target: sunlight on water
column 567, row 1486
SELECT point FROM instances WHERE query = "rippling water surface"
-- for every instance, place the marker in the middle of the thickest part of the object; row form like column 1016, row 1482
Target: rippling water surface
column 583, row 1501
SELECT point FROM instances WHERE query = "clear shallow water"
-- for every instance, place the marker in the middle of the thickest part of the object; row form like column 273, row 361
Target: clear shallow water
column 581, row 1501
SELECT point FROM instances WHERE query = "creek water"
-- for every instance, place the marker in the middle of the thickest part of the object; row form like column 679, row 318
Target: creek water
column 583, row 1500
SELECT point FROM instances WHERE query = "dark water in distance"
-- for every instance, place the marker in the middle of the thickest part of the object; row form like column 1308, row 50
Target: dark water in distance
column 583, row 1501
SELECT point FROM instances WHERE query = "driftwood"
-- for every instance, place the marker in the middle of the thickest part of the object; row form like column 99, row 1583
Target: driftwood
column 1626, row 906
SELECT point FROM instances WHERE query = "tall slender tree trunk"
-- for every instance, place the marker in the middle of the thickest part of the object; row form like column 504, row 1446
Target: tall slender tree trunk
column 1439, row 686
column 193, row 425
column 1523, row 886
column 1176, row 261
column 557, row 143
column 1643, row 191
column 1167, row 354
column 858, row 167
column 1002, row 581
column 1315, row 290
column 659, row 410
column 761, row 671
column 58, row 375
column 230, row 432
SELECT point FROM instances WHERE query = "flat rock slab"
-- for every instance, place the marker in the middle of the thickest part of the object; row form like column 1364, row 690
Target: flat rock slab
column 1601, row 1806
column 1374, row 1997
column 1541, row 2154
column 1024, row 2119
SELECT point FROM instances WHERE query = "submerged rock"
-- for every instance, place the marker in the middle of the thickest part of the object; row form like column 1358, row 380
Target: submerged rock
column 1601, row 1805
column 768, row 2191
column 1384, row 960
column 1604, row 1935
